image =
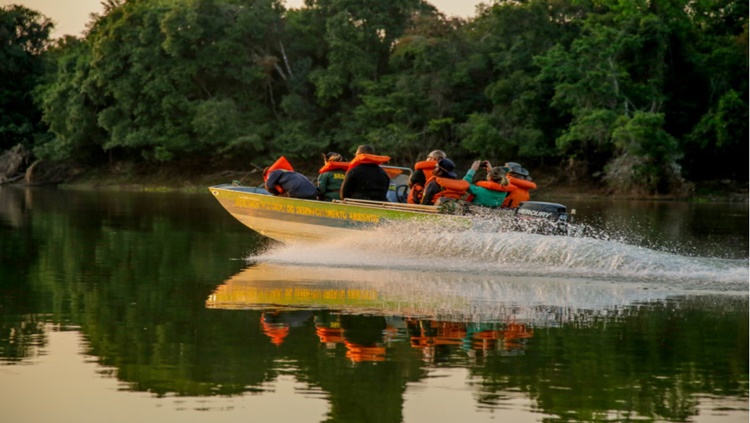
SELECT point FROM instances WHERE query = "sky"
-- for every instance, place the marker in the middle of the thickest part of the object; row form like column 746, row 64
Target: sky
column 71, row 16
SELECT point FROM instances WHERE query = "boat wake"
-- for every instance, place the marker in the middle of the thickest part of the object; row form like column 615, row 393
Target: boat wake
column 515, row 254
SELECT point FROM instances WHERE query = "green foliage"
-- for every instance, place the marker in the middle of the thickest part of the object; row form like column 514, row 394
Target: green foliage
column 24, row 35
column 649, row 154
column 415, row 107
column 538, row 81
column 592, row 131
column 69, row 101
column 516, row 121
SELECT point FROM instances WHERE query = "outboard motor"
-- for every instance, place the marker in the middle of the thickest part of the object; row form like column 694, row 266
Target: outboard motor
column 543, row 218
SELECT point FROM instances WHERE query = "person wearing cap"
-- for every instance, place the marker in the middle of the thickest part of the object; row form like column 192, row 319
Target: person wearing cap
column 443, row 183
column 365, row 179
column 422, row 173
column 331, row 176
column 518, row 177
column 492, row 191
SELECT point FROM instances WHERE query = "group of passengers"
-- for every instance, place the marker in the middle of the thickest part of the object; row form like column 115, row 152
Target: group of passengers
column 433, row 181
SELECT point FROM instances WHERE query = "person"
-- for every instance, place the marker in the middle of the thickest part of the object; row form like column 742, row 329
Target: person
column 365, row 179
column 518, row 177
column 332, row 176
column 492, row 191
column 281, row 179
column 422, row 173
column 443, row 183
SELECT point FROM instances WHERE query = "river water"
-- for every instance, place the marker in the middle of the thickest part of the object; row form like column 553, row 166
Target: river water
column 123, row 307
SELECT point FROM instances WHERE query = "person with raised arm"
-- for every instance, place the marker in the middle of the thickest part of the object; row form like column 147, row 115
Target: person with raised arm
column 492, row 191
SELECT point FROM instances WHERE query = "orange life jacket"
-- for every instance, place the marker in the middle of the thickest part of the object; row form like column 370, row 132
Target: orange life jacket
column 452, row 188
column 281, row 164
column 392, row 172
column 368, row 158
column 329, row 166
column 494, row 186
column 427, row 167
column 520, row 194
column 415, row 194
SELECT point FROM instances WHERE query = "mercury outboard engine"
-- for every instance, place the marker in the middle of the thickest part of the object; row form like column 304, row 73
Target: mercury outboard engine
column 543, row 218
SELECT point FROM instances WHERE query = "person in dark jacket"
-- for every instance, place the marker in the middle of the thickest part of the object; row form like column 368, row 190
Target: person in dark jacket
column 422, row 173
column 365, row 179
column 289, row 183
column 444, row 168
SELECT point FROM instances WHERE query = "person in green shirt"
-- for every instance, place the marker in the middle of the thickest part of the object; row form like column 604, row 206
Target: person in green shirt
column 492, row 191
column 332, row 176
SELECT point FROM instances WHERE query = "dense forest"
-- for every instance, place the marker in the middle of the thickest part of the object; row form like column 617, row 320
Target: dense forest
column 636, row 95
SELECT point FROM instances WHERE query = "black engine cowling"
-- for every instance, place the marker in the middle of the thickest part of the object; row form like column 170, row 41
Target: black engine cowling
column 542, row 217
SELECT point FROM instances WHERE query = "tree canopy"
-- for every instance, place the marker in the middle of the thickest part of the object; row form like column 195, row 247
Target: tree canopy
column 638, row 95
column 24, row 34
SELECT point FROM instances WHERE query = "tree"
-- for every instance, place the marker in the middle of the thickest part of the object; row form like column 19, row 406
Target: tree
column 357, row 41
column 179, row 79
column 712, row 111
column 413, row 109
column 515, row 122
column 611, row 80
column 70, row 103
column 24, row 36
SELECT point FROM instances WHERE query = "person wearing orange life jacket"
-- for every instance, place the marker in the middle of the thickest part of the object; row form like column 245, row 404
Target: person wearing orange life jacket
column 422, row 173
column 492, row 191
column 365, row 179
column 518, row 177
column 332, row 176
column 281, row 179
column 443, row 183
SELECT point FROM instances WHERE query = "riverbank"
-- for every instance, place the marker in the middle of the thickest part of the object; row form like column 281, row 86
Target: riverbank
column 194, row 177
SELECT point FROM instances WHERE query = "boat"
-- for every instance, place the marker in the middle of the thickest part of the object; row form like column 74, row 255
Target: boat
column 288, row 219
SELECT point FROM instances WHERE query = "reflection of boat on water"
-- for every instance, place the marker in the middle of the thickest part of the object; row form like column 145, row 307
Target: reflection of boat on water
column 289, row 219
column 348, row 309
column 430, row 334
column 454, row 296
column 366, row 310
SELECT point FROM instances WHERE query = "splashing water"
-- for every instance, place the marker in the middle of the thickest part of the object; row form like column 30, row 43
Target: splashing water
column 484, row 251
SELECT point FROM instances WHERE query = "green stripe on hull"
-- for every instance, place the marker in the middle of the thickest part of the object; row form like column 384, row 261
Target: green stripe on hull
column 251, row 207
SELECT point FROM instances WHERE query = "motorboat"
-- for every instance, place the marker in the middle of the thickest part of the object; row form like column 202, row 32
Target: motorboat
column 288, row 219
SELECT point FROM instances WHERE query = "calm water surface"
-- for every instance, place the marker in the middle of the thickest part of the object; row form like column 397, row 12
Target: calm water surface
column 124, row 307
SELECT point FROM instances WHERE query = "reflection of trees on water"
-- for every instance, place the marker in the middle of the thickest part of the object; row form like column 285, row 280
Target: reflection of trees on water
column 136, row 287
column 21, row 338
column 106, row 260
column 641, row 362
column 646, row 361
column 22, row 331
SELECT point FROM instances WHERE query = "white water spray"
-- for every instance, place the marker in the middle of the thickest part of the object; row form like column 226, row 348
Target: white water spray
column 440, row 249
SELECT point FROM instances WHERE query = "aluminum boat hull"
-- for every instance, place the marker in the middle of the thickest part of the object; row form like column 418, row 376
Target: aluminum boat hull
column 291, row 219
